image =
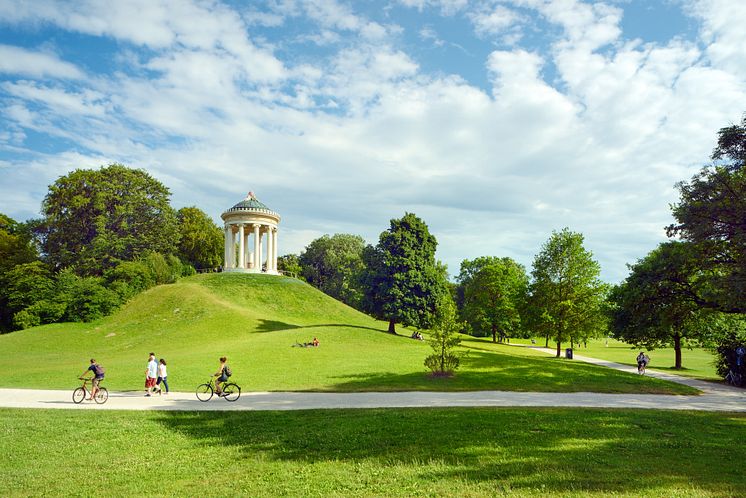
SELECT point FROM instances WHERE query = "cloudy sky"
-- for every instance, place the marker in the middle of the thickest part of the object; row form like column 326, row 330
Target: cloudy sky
column 496, row 121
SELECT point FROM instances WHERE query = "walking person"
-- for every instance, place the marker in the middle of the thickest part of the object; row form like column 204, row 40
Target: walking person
column 162, row 374
column 151, row 374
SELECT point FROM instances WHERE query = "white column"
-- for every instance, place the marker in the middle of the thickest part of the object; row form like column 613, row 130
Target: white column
column 270, row 250
column 257, row 250
column 274, row 249
column 241, row 253
column 226, row 254
column 233, row 248
column 247, row 248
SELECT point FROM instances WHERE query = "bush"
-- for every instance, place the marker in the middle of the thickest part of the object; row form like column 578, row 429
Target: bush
column 130, row 278
column 725, row 353
column 90, row 300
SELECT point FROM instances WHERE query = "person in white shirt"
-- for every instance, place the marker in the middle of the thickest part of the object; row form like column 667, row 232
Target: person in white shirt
column 151, row 374
column 162, row 374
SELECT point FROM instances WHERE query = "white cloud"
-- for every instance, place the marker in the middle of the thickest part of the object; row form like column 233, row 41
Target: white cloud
column 20, row 61
column 345, row 141
column 494, row 20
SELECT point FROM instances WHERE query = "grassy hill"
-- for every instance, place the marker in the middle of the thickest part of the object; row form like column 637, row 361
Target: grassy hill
column 254, row 320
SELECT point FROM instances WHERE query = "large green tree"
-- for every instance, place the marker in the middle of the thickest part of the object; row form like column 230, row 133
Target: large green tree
column 493, row 298
column 711, row 214
column 93, row 219
column 566, row 292
column 201, row 244
column 16, row 248
column 402, row 281
column 653, row 307
column 334, row 265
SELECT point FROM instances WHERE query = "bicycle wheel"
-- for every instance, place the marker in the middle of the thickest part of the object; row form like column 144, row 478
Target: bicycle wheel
column 231, row 392
column 204, row 392
column 78, row 395
column 101, row 395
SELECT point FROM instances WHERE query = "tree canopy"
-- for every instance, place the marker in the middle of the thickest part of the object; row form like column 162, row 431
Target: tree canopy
column 334, row 265
column 201, row 241
column 711, row 214
column 402, row 280
column 493, row 298
column 93, row 219
column 566, row 293
column 653, row 306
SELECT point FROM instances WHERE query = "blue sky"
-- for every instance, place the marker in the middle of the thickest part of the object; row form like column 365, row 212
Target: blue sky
column 496, row 121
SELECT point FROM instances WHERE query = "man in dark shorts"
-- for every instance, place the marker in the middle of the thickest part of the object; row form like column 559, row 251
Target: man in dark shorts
column 98, row 376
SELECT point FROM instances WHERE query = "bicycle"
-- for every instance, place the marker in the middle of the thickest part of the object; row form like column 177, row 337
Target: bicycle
column 231, row 391
column 641, row 368
column 734, row 378
column 81, row 393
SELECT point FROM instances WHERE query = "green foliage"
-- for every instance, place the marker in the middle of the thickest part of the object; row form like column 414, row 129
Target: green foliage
column 444, row 339
column 654, row 306
column 16, row 248
column 165, row 269
column 290, row 265
column 94, row 219
column 725, row 350
column 710, row 215
column 129, row 278
column 334, row 265
column 493, row 298
column 86, row 299
column 202, row 241
column 566, row 295
column 402, row 280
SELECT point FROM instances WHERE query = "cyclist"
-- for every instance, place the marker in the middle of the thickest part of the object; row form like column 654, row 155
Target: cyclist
column 98, row 376
column 642, row 362
column 222, row 375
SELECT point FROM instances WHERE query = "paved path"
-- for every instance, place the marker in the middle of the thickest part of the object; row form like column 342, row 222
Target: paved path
column 715, row 397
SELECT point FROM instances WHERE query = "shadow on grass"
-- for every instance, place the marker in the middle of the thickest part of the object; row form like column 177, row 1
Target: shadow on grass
column 557, row 450
column 274, row 326
column 484, row 370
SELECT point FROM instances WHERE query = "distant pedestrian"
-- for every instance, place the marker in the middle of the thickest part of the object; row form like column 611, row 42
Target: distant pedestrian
column 151, row 374
column 162, row 374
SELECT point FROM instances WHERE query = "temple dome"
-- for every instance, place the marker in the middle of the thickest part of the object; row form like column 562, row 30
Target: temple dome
column 251, row 204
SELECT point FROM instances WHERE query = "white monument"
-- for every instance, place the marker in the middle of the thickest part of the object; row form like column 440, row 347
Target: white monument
column 248, row 225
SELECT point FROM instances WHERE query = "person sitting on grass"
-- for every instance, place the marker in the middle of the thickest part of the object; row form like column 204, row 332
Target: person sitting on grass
column 98, row 376
column 417, row 335
column 311, row 344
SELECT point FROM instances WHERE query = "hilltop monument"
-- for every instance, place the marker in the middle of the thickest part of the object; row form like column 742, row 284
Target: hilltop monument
column 248, row 225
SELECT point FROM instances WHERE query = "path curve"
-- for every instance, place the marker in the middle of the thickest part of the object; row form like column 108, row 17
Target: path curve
column 714, row 397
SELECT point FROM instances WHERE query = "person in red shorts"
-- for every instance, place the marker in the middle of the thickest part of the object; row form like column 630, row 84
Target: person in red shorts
column 151, row 374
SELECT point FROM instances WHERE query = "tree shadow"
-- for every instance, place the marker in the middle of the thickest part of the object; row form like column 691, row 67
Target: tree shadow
column 275, row 326
column 555, row 450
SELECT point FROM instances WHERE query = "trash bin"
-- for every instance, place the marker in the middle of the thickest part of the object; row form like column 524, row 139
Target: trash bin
column 568, row 353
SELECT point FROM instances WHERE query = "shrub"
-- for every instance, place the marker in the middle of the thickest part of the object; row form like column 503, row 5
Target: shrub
column 443, row 339
column 90, row 300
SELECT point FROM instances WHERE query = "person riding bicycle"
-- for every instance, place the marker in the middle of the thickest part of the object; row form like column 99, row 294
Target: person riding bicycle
column 222, row 375
column 98, row 376
column 642, row 361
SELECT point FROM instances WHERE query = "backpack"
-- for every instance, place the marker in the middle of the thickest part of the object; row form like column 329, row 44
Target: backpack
column 227, row 371
column 99, row 370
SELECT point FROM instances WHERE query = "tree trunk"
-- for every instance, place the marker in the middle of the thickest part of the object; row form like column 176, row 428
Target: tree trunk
column 572, row 342
column 546, row 342
column 558, row 349
column 494, row 333
column 677, row 350
column 392, row 327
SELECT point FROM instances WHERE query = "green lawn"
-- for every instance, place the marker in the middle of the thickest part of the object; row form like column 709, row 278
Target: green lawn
column 697, row 362
column 412, row 452
column 254, row 320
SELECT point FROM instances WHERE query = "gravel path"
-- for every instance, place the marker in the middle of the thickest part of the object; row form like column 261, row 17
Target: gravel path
column 714, row 397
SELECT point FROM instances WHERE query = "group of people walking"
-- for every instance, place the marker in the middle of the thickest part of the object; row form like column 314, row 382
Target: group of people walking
column 156, row 376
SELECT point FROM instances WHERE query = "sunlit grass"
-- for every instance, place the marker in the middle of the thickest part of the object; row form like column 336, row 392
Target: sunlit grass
column 392, row 452
column 254, row 320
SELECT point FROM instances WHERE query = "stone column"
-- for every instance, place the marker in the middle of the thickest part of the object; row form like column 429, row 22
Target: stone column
column 241, row 252
column 226, row 254
column 247, row 247
column 274, row 249
column 257, row 250
column 270, row 249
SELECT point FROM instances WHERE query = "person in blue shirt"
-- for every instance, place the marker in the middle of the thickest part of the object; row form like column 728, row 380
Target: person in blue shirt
column 98, row 376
